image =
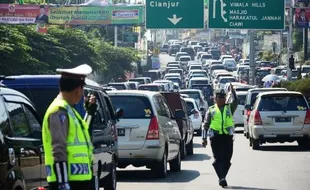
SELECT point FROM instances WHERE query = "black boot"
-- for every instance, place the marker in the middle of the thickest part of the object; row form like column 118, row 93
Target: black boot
column 223, row 182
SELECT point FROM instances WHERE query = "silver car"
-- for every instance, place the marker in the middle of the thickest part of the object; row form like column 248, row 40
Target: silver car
column 148, row 134
column 280, row 117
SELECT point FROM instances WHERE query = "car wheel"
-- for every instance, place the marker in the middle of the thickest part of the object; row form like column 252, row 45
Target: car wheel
column 255, row 144
column 183, row 149
column 250, row 141
column 247, row 135
column 160, row 169
column 304, row 143
column 190, row 148
column 109, row 182
column 175, row 164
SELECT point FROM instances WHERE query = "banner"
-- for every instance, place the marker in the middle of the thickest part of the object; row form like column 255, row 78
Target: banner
column 23, row 14
column 105, row 15
column 302, row 17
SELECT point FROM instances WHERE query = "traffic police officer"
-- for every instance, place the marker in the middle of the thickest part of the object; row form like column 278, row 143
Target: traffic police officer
column 66, row 141
column 219, row 125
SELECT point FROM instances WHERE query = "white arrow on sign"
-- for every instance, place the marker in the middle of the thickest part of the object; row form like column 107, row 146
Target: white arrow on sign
column 174, row 19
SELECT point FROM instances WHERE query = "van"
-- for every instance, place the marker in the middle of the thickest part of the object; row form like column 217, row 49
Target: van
column 42, row 89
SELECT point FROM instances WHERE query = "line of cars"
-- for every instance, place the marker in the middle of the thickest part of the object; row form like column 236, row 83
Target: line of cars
column 151, row 128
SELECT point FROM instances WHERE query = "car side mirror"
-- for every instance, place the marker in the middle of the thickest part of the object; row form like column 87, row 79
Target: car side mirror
column 179, row 114
column 192, row 111
column 201, row 109
column 119, row 113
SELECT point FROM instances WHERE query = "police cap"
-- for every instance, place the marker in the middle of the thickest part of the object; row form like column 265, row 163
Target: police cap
column 220, row 93
column 79, row 72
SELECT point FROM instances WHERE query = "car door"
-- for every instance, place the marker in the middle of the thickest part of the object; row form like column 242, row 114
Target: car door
column 25, row 140
column 175, row 134
column 188, row 121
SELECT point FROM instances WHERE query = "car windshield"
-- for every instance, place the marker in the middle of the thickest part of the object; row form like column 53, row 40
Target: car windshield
column 176, row 71
column 240, row 69
column 140, row 81
column 280, row 102
column 185, row 59
column 118, row 86
column 194, row 95
column 195, row 67
column 132, row 86
column 217, row 67
column 294, row 73
column 132, row 112
column 198, row 75
column 229, row 62
column 149, row 88
column 278, row 71
column 265, row 64
column 227, row 80
column 206, row 89
column 175, row 80
column 215, row 53
column 262, row 73
column 206, row 57
column 200, row 82
column 241, row 99
column 305, row 70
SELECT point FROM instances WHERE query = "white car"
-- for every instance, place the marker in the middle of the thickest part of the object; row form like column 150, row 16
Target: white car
column 238, row 116
column 195, row 115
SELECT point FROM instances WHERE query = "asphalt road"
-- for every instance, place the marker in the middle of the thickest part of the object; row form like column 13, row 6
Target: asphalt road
column 274, row 167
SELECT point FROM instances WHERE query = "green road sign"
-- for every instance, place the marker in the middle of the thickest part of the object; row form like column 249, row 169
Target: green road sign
column 174, row 14
column 246, row 14
column 131, row 37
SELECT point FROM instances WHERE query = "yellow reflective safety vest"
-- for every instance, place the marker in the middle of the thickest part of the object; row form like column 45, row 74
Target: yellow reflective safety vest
column 79, row 147
column 220, row 121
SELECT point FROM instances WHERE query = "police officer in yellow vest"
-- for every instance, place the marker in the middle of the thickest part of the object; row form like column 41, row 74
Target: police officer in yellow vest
column 219, row 125
column 67, row 145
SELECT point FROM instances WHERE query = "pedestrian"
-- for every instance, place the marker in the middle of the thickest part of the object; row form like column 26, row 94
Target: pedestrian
column 67, row 145
column 219, row 125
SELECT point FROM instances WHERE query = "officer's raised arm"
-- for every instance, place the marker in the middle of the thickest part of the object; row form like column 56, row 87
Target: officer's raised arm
column 234, row 99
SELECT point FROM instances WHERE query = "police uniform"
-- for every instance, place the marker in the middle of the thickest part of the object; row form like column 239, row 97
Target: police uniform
column 66, row 141
column 219, row 125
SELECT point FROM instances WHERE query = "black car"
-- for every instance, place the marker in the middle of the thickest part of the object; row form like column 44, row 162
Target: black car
column 173, row 49
column 207, row 90
column 41, row 90
column 190, row 51
column 20, row 142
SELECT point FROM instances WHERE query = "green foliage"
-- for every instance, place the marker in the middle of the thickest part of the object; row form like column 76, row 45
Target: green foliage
column 269, row 56
column 302, row 85
column 25, row 51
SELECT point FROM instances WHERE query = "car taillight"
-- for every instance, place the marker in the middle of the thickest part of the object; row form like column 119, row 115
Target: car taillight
column 257, row 118
column 41, row 188
column 115, row 132
column 307, row 118
column 153, row 132
column 196, row 114
column 248, row 113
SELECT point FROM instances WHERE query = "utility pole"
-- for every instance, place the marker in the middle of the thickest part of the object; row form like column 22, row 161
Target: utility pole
column 252, row 59
column 289, row 42
column 115, row 36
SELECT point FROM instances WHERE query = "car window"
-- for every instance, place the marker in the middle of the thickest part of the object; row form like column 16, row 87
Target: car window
column 110, row 108
column 241, row 99
column 140, row 81
column 4, row 125
column 100, row 119
column 160, row 107
column 18, row 119
column 41, row 98
column 194, row 95
column 32, row 120
column 166, row 107
column 195, row 67
column 185, row 59
column 227, row 80
column 190, row 106
column 282, row 103
column 200, row 82
column 149, row 88
column 142, row 107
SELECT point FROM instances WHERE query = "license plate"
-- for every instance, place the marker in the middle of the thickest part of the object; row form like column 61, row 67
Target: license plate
column 283, row 119
column 121, row 132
